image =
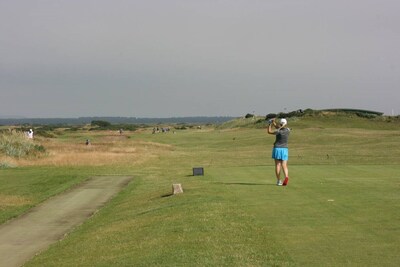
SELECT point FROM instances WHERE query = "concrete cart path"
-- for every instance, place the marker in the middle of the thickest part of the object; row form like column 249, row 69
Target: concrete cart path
column 25, row 236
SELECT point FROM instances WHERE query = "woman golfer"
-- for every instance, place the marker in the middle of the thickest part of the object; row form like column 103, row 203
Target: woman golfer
column 280, row 152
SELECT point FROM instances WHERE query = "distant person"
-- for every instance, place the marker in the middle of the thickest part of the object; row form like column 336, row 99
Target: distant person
column 120, row 131
column 30, row 134
column 280, row 151
column 87, row 142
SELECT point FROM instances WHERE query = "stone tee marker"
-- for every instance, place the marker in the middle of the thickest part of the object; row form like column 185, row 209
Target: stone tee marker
column 177, row 189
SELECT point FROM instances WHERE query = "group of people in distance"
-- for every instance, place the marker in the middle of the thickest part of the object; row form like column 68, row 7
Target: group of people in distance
column 163, row 129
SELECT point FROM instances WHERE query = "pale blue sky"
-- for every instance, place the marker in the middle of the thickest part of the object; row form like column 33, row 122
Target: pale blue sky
column 159, row 58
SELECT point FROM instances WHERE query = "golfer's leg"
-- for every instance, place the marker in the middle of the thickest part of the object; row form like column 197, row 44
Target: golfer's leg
column 285, row 168
column 278, row 165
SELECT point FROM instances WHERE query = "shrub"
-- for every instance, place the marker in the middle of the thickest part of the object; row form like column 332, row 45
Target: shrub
column 44, row 133
column 296, row 113
column 270, row 116
column 6, row 165
column 366, row 115
column 73, row 129
column 182, row 127
column 17, row 145
column 102, row 124
column 355, row 111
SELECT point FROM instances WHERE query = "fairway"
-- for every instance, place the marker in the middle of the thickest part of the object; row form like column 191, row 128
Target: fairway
column 341, row 207
column 329, row 215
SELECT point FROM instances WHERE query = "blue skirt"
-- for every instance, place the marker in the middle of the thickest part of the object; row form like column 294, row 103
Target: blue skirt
column 281, row 153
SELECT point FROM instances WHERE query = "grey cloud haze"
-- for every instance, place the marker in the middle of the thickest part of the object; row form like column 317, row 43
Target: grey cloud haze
column 196, row 58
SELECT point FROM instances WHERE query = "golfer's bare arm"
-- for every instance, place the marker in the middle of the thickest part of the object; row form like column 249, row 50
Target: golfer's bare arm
column 270, row 130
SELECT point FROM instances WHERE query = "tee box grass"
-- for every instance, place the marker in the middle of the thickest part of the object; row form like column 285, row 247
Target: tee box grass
column 341, row 207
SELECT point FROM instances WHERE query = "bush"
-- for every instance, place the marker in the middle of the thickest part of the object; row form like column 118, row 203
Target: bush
column 6, row 165
column 102, row 124
column 43, row 133
column 17, row 145
column 181, row 127
column 355, row 111
column 296, row 113
column 270, row 116
column 105, row 125
column 73, row 129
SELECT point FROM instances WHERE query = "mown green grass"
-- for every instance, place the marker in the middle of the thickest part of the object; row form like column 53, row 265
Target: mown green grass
column 238, row 217
column 341, row 210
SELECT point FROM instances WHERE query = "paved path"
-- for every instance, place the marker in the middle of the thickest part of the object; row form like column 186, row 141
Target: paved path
column 25, row 236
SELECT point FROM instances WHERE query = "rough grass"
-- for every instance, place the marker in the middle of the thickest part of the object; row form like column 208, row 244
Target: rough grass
column 105, row 149
column 340, row 210
column 13, row 201
column 17, row 145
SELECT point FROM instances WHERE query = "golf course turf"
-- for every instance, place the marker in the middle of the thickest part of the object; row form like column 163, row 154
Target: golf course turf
column 341, row 207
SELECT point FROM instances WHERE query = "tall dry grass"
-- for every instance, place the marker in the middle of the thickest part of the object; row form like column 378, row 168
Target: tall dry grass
column 16, row 144
column 105, row 150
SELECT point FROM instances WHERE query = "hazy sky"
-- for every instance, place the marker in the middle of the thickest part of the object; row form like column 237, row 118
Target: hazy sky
column 163, row 58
